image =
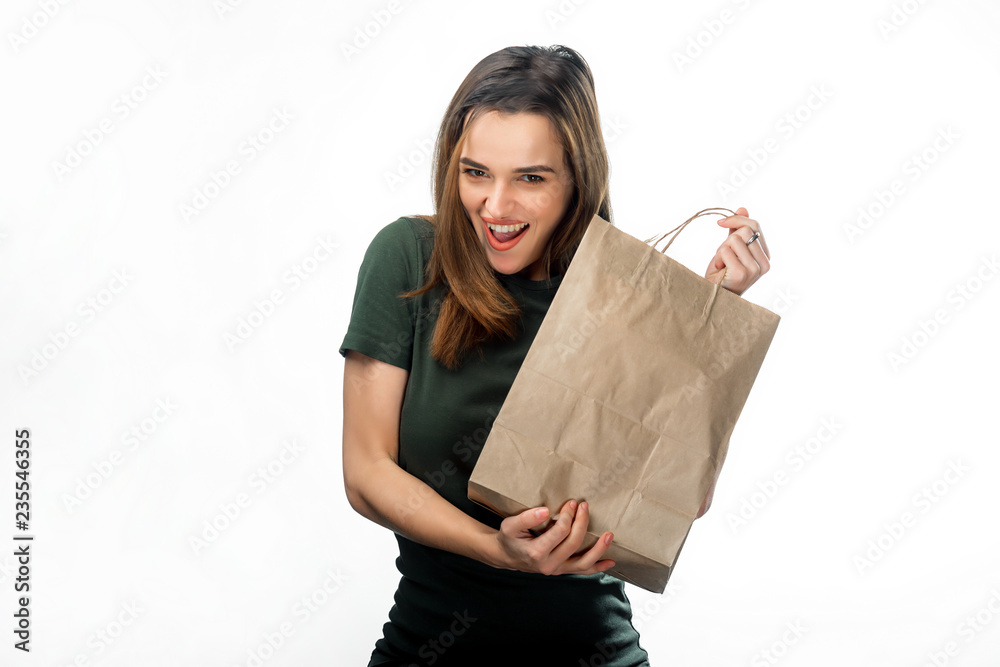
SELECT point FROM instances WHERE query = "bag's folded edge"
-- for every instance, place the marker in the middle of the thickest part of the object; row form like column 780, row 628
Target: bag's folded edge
column 642, row 571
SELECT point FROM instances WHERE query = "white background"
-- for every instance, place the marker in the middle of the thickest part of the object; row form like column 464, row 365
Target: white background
column 113, row 552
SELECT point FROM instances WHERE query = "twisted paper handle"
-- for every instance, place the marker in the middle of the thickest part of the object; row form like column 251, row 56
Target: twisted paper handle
column 677, row 230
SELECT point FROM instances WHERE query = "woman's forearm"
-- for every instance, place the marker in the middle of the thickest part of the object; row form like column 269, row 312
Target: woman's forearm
column 395, row 499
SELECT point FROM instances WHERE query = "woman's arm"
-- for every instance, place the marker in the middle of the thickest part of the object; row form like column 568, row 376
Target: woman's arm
column 391, row 497
column 376, row 486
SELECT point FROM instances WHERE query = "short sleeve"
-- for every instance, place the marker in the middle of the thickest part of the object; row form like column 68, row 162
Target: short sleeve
column 381, row 326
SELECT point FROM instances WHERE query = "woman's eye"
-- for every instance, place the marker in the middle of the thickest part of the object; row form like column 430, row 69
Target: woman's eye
column 479, row 173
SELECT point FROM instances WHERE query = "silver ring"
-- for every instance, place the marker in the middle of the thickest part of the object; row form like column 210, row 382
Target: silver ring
column 753, row 238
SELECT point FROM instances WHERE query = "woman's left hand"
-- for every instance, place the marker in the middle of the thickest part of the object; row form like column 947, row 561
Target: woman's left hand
column 743, row 263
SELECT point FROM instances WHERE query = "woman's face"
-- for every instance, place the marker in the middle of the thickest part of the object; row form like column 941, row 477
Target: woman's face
column 512, row 174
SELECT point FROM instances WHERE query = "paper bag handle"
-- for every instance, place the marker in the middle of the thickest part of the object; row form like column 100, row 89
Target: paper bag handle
column 677, row 230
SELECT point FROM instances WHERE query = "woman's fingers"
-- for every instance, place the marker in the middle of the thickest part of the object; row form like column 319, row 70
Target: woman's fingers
column 578, row 531
column 753, row 255
column 738, row 277
column 743, row 264
column 735, row 222
column 588, row 562
column 592, row 560
column 746, row 270
column 542, row 546
column 554, row 551
column 526, row 520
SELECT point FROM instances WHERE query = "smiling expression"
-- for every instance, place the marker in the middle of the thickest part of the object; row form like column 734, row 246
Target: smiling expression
column 512, row 173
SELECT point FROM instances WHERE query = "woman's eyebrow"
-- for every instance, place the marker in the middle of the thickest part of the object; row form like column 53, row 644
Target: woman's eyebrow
column 519, row 170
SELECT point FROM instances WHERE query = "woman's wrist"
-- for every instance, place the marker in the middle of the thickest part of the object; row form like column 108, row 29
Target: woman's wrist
column 487, row 548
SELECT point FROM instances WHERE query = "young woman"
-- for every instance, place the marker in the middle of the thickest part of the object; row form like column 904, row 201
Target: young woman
column 445, row 310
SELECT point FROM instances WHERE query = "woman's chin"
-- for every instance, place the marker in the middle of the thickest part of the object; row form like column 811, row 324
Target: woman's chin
column 507, row 269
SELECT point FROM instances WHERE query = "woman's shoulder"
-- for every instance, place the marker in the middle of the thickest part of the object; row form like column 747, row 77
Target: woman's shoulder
column 405, row 232
column 402, row 246
column 409, row 227
column 422, row 225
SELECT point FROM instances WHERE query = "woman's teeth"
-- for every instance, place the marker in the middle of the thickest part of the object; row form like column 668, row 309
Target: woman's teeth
column 506, row 228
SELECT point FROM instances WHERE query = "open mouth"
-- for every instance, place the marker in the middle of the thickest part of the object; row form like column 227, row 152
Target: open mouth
column 504, row 237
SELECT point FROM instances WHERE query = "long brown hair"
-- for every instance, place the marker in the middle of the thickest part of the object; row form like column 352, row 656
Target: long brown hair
column 555, row 82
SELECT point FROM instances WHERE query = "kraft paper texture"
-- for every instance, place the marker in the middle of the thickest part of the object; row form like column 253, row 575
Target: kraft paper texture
column 626, row 399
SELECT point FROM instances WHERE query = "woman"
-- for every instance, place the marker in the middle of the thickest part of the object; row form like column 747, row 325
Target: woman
column 445, row 310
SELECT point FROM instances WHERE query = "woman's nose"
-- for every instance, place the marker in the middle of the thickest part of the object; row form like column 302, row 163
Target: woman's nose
column 500, row 200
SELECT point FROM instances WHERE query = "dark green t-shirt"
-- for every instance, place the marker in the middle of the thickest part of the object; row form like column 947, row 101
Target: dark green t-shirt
column 451, row 609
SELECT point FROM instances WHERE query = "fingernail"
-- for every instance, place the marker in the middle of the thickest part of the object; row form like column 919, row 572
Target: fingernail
column 540, row 514
column 572, row 506
column 608, row 538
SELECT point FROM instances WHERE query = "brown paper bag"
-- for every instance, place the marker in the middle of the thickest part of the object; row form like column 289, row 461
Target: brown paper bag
column 626, row 399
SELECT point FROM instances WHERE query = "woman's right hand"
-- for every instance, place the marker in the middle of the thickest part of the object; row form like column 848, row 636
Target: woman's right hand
column 555, row 550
